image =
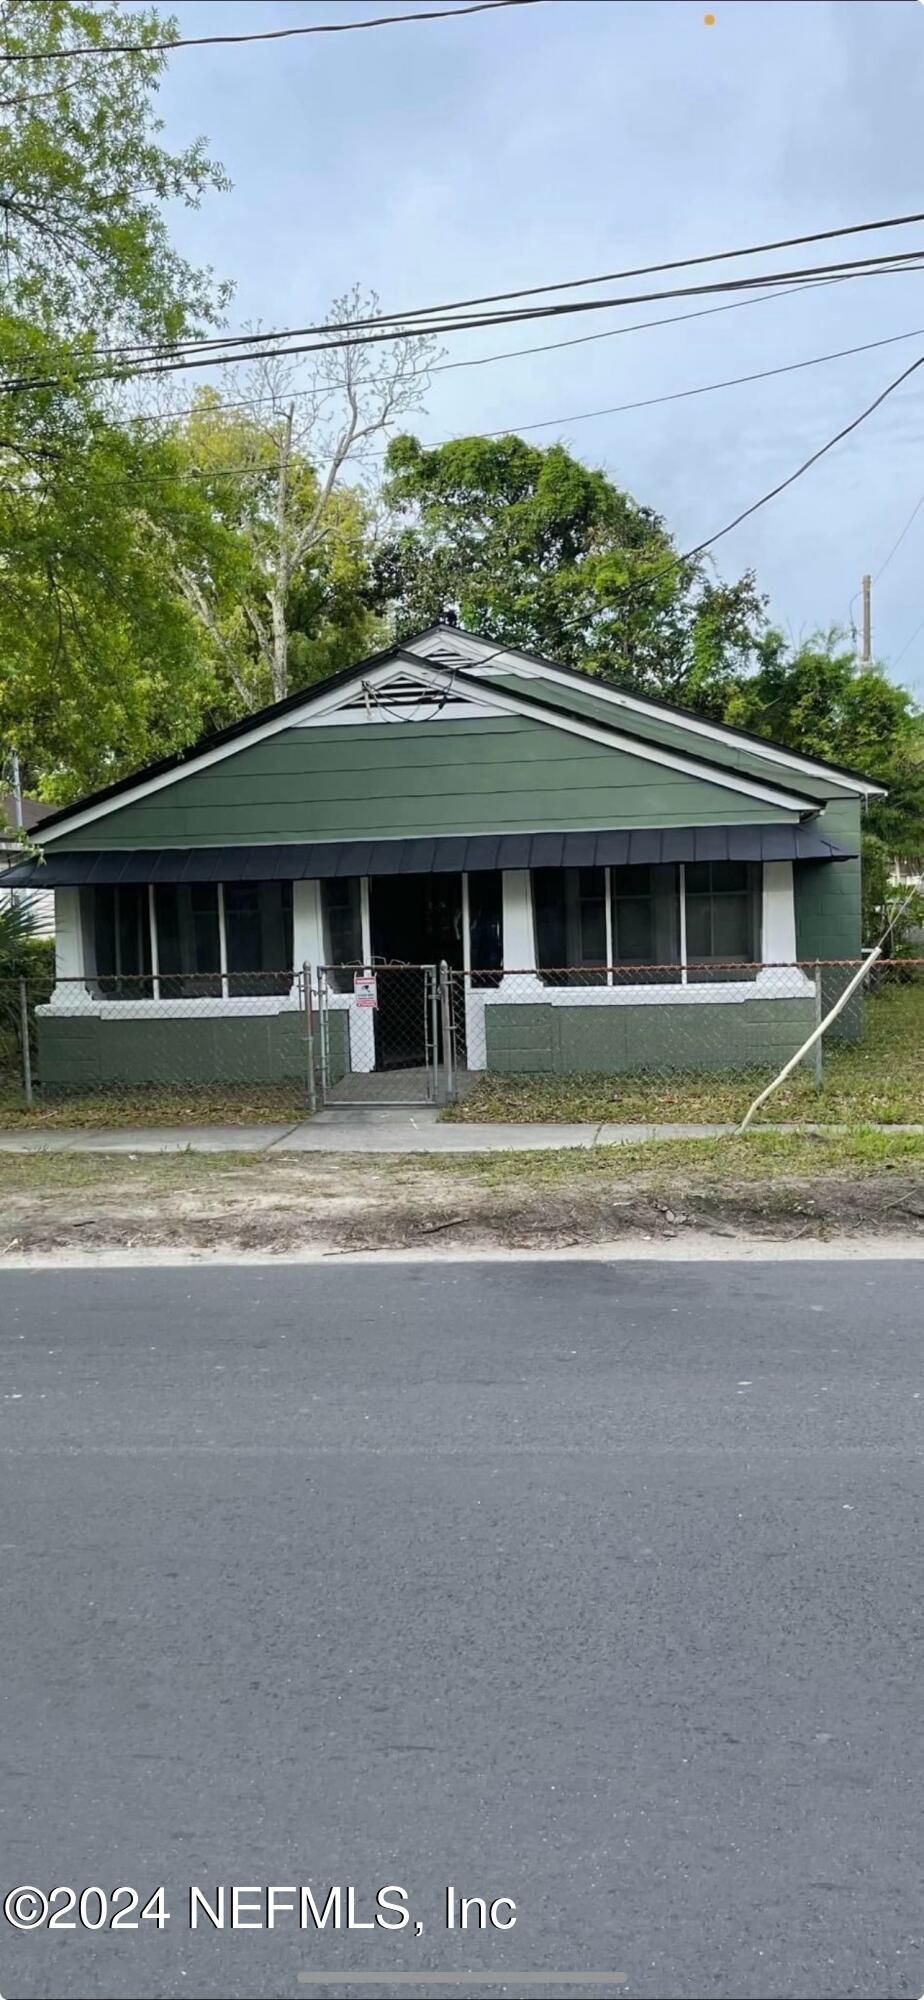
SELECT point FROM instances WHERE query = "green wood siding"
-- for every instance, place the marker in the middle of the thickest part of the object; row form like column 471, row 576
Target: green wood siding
column 672, row 734
column 385, row 779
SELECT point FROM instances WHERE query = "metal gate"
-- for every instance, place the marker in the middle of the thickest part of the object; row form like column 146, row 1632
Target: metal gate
column 382, row 1034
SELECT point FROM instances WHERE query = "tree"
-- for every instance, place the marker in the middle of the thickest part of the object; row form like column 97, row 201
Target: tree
column 83, row 178
column 97, row 652
column 102, row 665
column 548, row 554
column 273, row 462
column 819, row 700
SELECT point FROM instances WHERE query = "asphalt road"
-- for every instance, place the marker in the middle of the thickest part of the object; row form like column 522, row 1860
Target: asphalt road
column 592, row 1587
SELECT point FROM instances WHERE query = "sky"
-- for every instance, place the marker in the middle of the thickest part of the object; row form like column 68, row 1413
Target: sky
column 446, row 158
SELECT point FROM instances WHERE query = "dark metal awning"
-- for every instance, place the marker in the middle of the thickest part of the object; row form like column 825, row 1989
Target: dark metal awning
column 444, row 854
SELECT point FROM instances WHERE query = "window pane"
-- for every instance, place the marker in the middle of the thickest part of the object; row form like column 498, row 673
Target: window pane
column 634, row 930
column 723, row 918
column 258, row 936
column 122, row 942
column 646, row 919
column 570, row 917
column 485, row 926
column 731, row 926
column 591, row 930
column 549, row 917
column 343, row 929
column 699, row 926
column 188, row 948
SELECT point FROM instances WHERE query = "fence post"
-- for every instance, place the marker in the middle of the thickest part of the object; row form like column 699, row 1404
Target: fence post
column 819, row 1060
column 309, row 1039
column 24, row 1036
column 449, row 1081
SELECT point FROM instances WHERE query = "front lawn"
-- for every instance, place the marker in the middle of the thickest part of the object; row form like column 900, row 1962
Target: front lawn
column 879, row 1081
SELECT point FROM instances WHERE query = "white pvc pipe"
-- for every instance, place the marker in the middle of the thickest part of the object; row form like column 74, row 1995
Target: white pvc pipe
column 815, row 1036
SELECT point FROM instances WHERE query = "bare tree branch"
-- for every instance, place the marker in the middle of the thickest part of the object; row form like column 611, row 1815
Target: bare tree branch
column 307, row 428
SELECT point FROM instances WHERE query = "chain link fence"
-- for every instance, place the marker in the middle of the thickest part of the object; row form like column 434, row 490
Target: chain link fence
column 621, row 1044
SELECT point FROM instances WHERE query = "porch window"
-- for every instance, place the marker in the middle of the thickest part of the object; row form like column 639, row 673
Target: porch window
column 191, row 940
column 646, row 922
column 121, row 938
column 188, row 940
column 258, row 936
column 569, row 907
column 689, row 922
column 723, row 918
column 342, row 912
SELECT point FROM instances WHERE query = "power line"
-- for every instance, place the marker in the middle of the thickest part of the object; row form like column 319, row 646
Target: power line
column 699, row 548
column 264, row 34
column 585, row 416
column 518, row 353
column 896, row 545
column 807, row 463
column 152, row 366
column 529, row 291
column 908, row 643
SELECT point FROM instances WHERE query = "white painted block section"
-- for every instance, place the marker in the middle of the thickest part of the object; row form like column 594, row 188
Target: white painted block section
column 519, row 942
column 778, row 941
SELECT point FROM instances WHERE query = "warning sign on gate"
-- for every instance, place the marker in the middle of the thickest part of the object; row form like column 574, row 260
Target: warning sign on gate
column 365, row 990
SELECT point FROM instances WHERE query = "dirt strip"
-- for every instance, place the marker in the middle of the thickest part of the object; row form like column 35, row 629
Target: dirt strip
column 379, row 1208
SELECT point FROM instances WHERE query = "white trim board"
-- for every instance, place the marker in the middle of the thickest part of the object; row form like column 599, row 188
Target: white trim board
column 323, row 706
column 484, row 661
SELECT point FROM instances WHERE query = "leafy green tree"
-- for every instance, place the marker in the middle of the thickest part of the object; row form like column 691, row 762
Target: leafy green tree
column 819, row 700
column 548, row 554
column 97, row 651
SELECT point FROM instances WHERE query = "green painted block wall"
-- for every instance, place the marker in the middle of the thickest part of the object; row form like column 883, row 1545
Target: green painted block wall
column 83, row 1052
column 829, row 913
column 611, row 1041
column 382, row 780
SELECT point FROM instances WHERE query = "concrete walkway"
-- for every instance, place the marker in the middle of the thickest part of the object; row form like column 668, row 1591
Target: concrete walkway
column 370, row 1129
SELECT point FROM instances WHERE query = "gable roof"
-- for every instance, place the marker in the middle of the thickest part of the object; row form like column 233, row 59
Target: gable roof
column 449, row 657
column 482, row 650
column 329, row 701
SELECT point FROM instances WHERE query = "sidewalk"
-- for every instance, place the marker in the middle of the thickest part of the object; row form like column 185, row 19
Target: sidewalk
column 368, row 1129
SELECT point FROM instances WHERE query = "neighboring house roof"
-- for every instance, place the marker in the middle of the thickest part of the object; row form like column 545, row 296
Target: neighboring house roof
column 32, row 810
column 463, row 668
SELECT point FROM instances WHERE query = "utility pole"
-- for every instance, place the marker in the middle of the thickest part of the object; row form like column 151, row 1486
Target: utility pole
column 866, row 655
column 16, row 782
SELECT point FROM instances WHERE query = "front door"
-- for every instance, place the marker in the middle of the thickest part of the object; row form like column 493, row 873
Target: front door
column 415, row 922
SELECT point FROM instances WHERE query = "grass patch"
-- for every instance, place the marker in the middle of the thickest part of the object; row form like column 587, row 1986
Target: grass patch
column 207, row 1104
column 877, row 1081
column 757, row 1156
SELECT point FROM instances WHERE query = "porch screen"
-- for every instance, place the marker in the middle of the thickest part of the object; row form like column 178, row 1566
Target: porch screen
column 118, row 931
column 341, row 909
column 485, row 926
column 196, row 940
column 646, row 920
column 723, row 918
column 713, row 906
column 569, row 907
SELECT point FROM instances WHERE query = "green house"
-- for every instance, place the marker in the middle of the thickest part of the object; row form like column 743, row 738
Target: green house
column 614, row 883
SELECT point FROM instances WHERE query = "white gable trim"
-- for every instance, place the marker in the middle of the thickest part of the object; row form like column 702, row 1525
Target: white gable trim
column 485, row 660
column 323, row 709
